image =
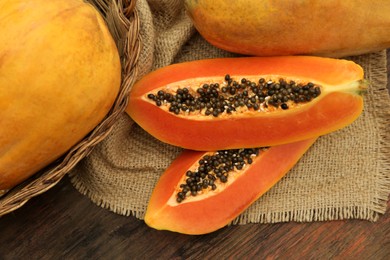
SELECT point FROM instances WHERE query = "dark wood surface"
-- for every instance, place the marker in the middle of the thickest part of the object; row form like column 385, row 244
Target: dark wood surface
column 63, row 224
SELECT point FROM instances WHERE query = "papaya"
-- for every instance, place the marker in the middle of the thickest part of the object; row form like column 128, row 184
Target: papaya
column 329, row 28
column 60, row 74
column 201, row 192
column 228, row 103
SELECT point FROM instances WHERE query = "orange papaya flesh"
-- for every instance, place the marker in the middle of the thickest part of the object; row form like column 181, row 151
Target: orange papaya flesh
column 340, row 83
column 213, row 208
column 338, row 105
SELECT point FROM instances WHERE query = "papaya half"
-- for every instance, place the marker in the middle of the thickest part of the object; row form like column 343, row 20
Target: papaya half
column 201, row 192
column 272, row 28
column 229, row 103
column 60, row 73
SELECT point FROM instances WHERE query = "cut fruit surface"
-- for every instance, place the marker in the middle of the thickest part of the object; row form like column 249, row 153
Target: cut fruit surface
column 176, row 207
column 229, row 103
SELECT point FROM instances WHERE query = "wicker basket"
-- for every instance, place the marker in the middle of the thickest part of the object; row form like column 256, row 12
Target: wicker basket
column 123, row 22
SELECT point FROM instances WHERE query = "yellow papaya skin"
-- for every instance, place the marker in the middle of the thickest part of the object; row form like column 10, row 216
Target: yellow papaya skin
column 59, row 76
column 268, row 28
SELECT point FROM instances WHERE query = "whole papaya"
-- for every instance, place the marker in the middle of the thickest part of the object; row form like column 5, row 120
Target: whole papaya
column 59, row 76
column 267, row 28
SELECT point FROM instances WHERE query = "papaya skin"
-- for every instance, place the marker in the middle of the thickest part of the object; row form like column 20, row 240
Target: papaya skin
column 332, row 110
column 214, row 212
column 60, row 73
column 268, row 28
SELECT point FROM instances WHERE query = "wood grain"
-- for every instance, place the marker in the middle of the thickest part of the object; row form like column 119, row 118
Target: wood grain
column 62, row 223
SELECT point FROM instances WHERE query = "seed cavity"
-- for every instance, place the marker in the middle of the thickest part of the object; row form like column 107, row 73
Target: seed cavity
column 215, row 99
column 214, row 169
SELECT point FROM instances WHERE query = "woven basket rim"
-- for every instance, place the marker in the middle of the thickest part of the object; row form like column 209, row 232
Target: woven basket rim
column 129, row 48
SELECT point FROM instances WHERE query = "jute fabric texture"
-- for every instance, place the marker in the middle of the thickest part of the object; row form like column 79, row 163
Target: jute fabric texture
column 344, row 175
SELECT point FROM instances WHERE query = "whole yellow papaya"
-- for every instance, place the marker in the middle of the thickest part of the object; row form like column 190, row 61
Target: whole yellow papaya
column 330, row 28
column 60, row 73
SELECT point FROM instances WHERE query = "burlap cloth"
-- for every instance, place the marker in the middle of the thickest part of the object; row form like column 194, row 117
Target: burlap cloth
column 344, row 175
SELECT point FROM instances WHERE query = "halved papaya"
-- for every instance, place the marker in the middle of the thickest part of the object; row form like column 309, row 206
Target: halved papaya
column 229, row 103
column 201, row 192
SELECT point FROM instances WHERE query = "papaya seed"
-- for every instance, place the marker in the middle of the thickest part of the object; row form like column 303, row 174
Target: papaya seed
column 218, row 166
column 243, row 94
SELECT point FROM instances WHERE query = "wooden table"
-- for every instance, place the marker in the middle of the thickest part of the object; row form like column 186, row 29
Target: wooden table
column 62, row 223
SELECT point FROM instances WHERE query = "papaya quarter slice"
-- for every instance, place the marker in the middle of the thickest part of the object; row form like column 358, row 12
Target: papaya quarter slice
column 229, row 103
column 178, row 204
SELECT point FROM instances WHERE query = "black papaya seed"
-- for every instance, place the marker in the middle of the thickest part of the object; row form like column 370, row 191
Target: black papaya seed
column 243, row 94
